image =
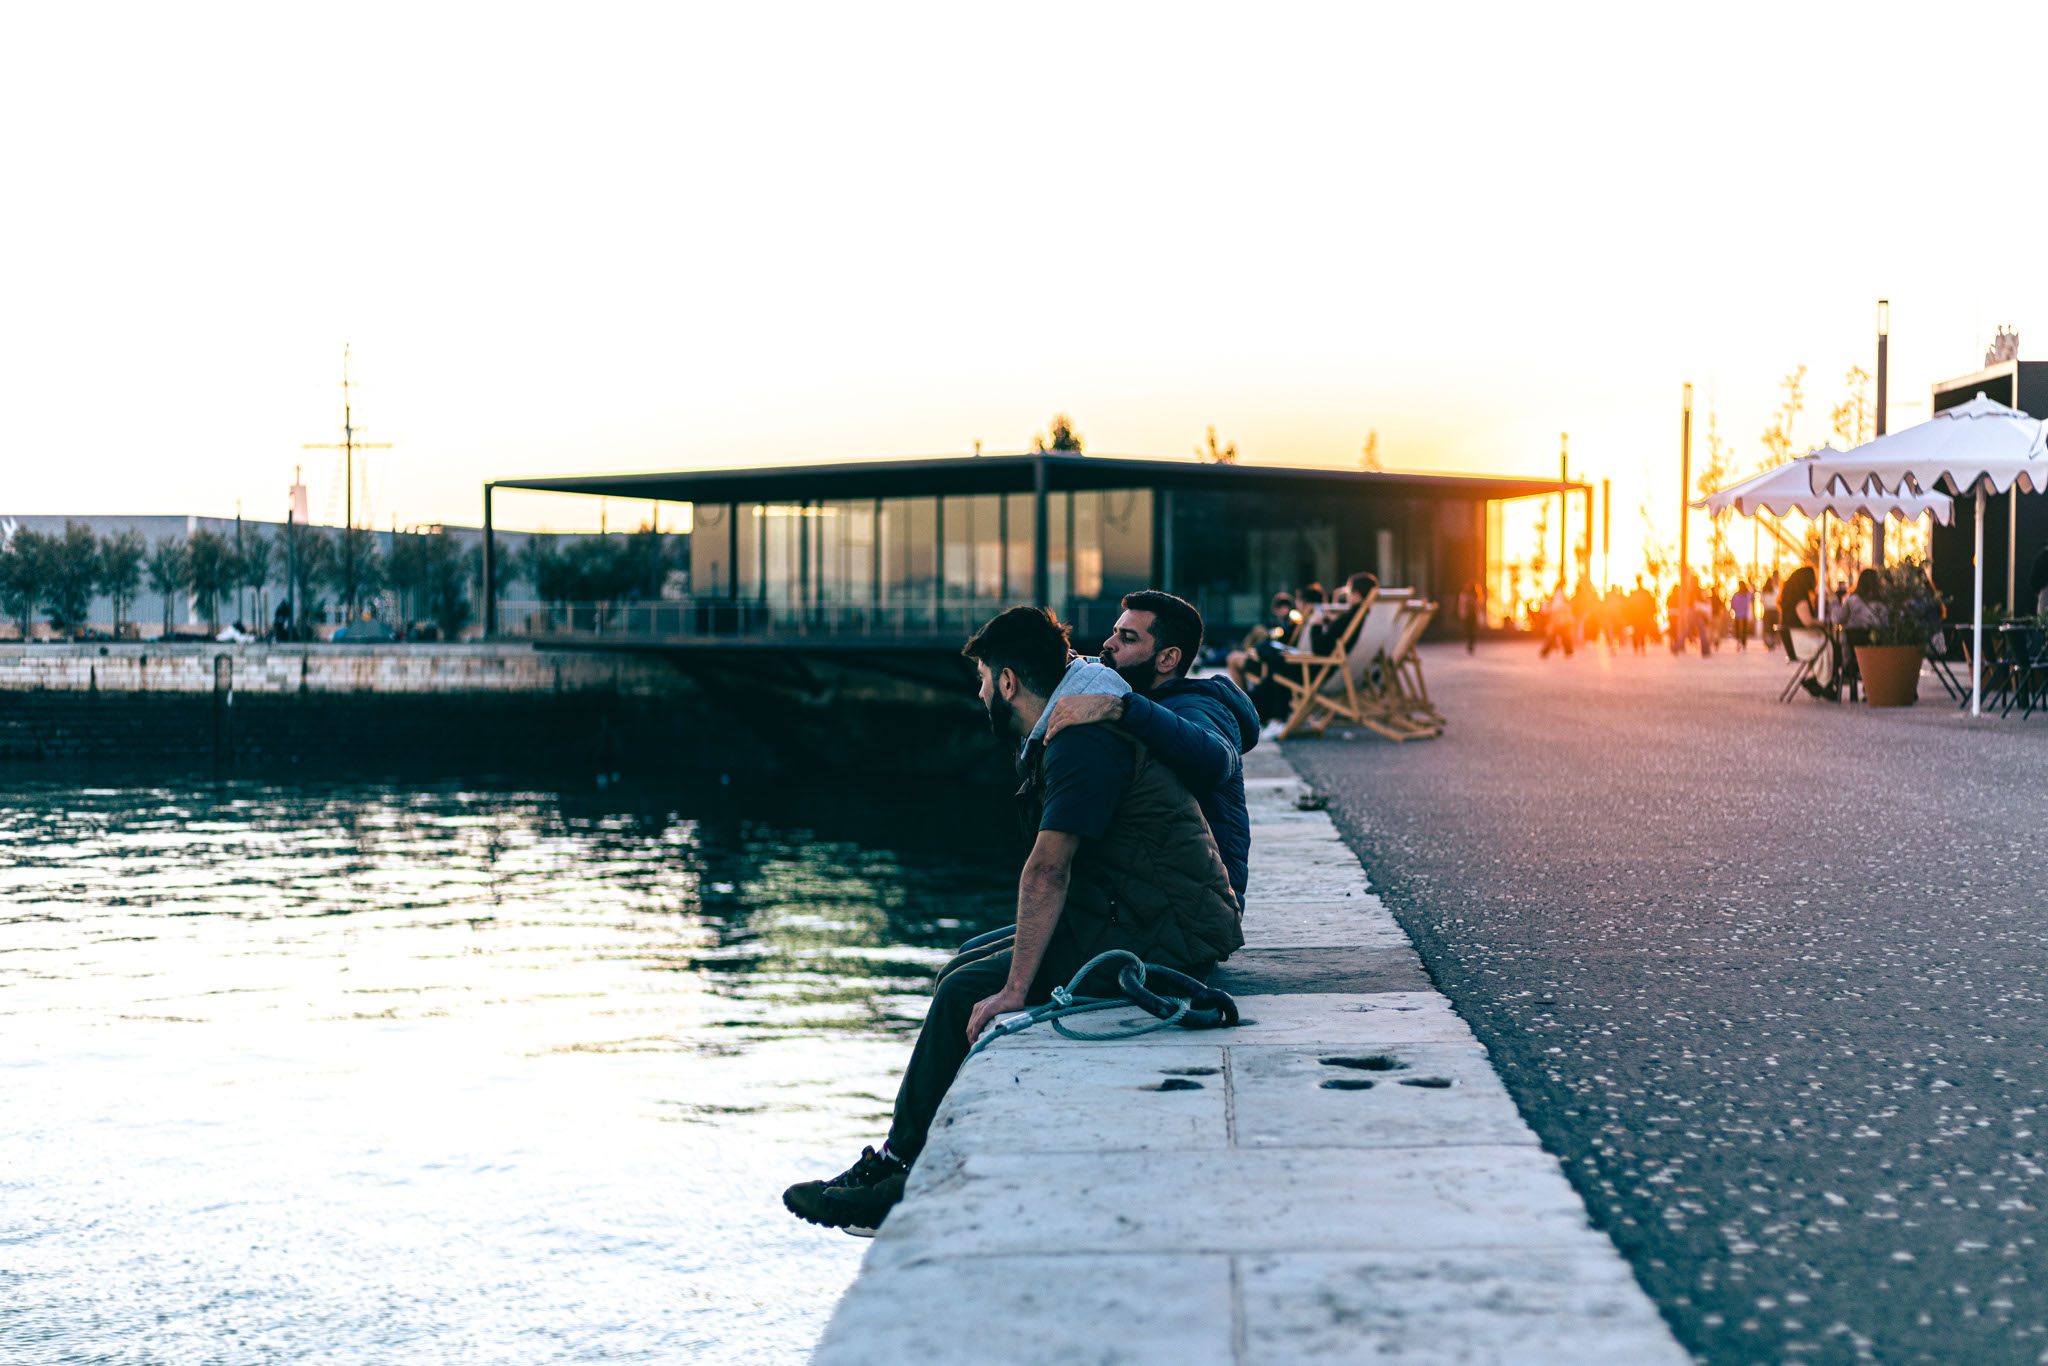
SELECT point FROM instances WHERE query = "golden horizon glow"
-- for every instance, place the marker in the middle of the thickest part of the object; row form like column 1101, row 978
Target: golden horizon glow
column 657, row 238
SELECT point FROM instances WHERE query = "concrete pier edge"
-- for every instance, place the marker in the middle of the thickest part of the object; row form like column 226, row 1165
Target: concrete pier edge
column 1345, row 1179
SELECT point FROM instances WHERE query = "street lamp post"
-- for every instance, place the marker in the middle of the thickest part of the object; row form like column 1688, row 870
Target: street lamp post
column 1884, row 339
column 1684, row 486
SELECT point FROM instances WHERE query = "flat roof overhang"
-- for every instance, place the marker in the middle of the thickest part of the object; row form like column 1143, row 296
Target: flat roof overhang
column 1017, row 474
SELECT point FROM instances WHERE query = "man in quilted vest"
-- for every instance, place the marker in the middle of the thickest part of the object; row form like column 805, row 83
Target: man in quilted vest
column 1121, row 858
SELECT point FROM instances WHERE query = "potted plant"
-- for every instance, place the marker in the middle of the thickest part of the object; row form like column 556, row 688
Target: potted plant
column 1890, row 660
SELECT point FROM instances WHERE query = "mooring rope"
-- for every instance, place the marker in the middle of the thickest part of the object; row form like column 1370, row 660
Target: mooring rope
column 1199, row 1007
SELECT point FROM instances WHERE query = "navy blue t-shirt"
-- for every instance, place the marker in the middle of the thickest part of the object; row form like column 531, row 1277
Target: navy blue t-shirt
column 1086, row 771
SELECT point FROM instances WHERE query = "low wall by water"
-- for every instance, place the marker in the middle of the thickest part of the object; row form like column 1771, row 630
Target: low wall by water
column 274, row 669
column 482, row 708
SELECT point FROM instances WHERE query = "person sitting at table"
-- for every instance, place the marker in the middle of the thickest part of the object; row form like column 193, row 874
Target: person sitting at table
column 1863, row 609
column 1803, row 633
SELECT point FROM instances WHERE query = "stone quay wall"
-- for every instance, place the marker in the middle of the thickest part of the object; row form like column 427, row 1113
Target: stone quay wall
column 281, row 669
column 491, row 709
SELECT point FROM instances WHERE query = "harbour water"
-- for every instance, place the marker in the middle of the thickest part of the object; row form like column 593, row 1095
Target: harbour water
column 367, row 1074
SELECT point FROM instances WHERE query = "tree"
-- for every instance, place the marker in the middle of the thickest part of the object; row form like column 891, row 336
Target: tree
column 406, row 571
column 358, row 569
column 1369, row 454
column 121, row 558
column 1851, row 417
column 444, row 582
column 26, row 562
column 1658, row 554
column 255, row 564
column 1064, row 437
column 648, row 559
column 211, row 570
column 74, row 573
column 1226, row 456
column 1777, row 437
column 1714, row 475
column 312, row 564
column 169, row 570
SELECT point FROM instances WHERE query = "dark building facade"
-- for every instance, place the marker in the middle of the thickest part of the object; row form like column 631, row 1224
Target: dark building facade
column 2015, row 523
column 933, row 547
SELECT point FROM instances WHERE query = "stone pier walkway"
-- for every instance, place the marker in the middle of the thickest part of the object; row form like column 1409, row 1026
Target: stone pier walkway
column 1342, row 1178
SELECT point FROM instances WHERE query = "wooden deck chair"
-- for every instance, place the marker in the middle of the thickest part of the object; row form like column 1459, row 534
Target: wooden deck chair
column 1359, row 692
column 1405, row 671
column 1314, row 672
column 1378, row 705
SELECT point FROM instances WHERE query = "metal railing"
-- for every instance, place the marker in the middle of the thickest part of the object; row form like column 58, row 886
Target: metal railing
column 715, row 619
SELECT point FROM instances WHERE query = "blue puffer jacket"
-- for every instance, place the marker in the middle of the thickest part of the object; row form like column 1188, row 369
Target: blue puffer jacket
column 1201, row 728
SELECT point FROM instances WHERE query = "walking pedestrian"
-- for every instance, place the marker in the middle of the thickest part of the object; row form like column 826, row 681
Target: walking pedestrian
column 1468, row 615
column 1743, row 604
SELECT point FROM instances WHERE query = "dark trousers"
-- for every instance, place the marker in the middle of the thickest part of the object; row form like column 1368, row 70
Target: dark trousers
column 942, row 1044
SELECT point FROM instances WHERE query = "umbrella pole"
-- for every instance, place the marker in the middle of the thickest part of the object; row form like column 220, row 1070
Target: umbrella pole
column 1977, row 625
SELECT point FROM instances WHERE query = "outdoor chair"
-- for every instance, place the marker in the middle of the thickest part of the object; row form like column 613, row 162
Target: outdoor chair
column 1406, row 670
column 1318, row 673
column 1806, row 668
column 1367, row 690
column 1379, row 702
column 2034, row 671
column 1944, row 673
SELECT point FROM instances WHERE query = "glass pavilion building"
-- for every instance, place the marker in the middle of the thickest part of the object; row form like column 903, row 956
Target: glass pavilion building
column 919, row 550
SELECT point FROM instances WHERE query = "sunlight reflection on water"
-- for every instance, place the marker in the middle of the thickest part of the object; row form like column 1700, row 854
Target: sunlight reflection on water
column 367, row 1074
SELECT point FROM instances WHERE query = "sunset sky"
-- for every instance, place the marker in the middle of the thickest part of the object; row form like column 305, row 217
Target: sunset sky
column 599, row 237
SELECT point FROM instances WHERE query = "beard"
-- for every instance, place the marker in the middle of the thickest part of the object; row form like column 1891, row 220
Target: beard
column 1138, row 675
column 1002, row 721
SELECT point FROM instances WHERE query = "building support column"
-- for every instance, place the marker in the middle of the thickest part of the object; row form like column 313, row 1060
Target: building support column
column 490, row 571
column 1041, row 558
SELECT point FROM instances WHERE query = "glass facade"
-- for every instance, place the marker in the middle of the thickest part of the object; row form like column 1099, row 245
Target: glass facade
column 911, row 564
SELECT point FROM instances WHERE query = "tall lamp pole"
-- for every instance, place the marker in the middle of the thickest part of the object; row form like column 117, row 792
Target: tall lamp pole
column 1884, row 340
column 1684, row 488
column 1606, row 527
column 1564, row 530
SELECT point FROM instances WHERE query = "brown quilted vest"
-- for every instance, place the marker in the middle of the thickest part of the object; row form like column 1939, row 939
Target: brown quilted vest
column 1154, row 883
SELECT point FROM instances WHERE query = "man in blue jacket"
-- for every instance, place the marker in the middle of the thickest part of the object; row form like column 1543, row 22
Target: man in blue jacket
column 1199, row 727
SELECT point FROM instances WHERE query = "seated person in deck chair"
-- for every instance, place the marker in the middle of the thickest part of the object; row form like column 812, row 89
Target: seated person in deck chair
column 1323, row 637
column 1121, row 859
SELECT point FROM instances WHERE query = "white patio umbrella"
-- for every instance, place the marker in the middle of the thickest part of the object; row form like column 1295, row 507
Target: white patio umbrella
column 1789, row 488
column 1981, row 447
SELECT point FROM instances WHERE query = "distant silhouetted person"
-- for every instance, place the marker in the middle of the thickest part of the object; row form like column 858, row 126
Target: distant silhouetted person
column 1558, row 625
column 1469, row 599
column 1642, row 615
column 1743, row 605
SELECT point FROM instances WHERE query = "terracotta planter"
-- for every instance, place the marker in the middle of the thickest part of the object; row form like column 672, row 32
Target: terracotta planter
column 1891, row 674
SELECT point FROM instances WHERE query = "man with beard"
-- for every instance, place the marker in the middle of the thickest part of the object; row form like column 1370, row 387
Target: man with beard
column 1121, row 858
column 1200, row 727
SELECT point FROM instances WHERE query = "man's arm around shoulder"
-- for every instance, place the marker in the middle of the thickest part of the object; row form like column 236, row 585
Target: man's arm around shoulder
column 1041, row 895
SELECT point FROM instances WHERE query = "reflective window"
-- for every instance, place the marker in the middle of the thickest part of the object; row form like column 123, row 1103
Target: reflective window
column 747, row 520
column 1018, row 545
column 711, row 550
column 1087, row 547
column 1126, row 541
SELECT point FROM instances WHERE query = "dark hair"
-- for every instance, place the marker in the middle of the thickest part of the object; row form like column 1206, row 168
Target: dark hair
column 1313, row 593
column 1360, row 584
column 1868, row 585
column 1799, row 585
column 1175, row 622
column 1028, row 641
column 1287, row 599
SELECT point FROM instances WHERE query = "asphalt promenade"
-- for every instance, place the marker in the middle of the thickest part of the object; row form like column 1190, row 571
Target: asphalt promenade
column 1340, row 1178
column 1772, row 979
